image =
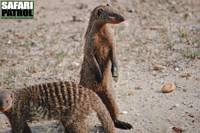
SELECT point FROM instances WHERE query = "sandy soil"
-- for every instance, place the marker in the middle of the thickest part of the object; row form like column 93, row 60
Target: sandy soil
column 163, row 33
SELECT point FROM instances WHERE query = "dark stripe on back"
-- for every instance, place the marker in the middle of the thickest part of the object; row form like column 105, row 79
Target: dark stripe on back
column 41, row 95
column 63, row 90
column 52, row 98
column 74, row 89
column 46, row 96
column 69, row 94
column 58, row 95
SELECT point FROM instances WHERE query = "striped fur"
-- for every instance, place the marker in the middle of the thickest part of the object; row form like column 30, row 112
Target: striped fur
column 67, row 102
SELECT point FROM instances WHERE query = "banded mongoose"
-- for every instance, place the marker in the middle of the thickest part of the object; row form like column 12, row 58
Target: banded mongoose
column 67, row 102
column 99, row 60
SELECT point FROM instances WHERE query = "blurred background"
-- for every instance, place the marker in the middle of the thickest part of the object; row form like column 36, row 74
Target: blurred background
column 158, row 43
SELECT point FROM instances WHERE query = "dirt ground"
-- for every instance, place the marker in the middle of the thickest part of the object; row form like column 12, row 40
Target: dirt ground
column 163, row 33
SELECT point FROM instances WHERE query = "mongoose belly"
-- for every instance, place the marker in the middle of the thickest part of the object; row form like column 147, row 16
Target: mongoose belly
column 88, row 78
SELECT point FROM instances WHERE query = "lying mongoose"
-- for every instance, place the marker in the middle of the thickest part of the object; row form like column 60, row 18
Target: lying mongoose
column 99, row 60
column 67, row 102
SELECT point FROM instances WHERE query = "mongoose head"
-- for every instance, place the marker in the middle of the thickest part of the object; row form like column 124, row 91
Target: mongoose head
column 106, row 14
column 6, row 100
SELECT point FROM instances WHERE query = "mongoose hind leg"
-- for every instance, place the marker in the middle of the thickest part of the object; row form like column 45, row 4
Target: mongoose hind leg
column 26, row 128
column 18, row 124
column 111, row 105
column 76, row 122
column 76, row 127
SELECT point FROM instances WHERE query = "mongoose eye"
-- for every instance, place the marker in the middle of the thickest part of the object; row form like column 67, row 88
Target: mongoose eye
column 7, row 101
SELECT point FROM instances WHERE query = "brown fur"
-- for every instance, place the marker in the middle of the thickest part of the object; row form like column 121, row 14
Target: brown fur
column 67, row 102
column 99, row 62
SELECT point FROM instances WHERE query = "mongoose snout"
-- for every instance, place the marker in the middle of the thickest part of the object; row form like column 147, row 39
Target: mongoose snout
column 107, row 14
column 116, row 18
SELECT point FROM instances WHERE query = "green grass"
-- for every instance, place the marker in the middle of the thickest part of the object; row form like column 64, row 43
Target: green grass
column 60, row 56
column 192, row 54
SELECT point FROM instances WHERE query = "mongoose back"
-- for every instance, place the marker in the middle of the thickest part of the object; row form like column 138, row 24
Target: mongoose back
column 99, row 61
column 67, row 102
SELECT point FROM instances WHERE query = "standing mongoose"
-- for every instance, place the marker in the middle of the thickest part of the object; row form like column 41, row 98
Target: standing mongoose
column 67, row 102
column 99, row 61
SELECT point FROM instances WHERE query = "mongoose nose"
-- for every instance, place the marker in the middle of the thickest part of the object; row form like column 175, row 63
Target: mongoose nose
column 121, row 18
column 116, row 18
column 1, row 104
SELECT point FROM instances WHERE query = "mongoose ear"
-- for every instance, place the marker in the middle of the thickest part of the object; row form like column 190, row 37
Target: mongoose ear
column 99, row 12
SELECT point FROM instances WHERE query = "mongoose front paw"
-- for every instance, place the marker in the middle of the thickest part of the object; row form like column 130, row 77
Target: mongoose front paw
column 99, row 78
column 115, row 78
column 122, row 125
column 114, row 71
